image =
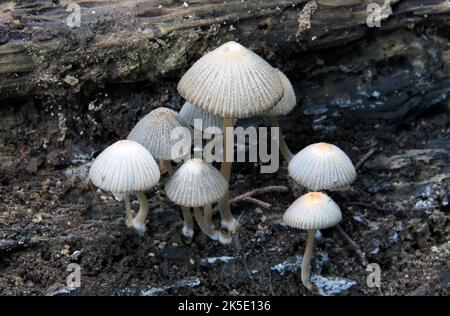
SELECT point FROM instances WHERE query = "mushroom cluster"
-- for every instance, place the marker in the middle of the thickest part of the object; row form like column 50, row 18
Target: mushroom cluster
column 229, row 83
column 317, row 167
column 226, row 84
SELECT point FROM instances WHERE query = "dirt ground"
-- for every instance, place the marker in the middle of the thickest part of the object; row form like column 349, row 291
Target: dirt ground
column 396, row 211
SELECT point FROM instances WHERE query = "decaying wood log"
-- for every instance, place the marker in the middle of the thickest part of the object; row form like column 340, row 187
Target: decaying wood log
column 131, row 41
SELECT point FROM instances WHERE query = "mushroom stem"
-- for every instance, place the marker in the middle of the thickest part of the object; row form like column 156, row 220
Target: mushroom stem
column 225, row 169
column 284, row 148
column 228, row 220
column 188, row 222
column 306, row 262
column 209, row 215
column 203, row 226
column 139, row 220
column 188, row 226
column 168, row 166
column 129, row 211
column 213, row 234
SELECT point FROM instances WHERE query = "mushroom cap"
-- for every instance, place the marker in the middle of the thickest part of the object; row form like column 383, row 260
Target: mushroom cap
column 287, row 102
column 123, row 167
column 153, row 132
column 313, row 210
column 322, row 166
column 233, row 82
column 196, row 183
column 189, row 113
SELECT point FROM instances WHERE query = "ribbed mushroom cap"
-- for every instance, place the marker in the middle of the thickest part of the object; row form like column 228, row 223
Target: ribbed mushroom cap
column 322, row 166
column 123, row 167
column 189, row 113
column 287, row 102
column 233, row 82
column 153, row 132
column 196, row 183
column 313, row 210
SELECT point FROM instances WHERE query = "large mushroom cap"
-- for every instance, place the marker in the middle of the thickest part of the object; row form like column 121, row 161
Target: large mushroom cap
column 153, row 132
column 233, row 82
column 287, row 102
column 123, row 167
column 196, row 183
column 322, row 166
column 313, row 210
column 189, row 113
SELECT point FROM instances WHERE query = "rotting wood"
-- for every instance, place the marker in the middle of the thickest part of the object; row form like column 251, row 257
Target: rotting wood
column 129, row 41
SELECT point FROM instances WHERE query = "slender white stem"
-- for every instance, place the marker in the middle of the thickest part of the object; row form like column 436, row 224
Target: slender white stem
column 188, row 226
column 139, row 220
column 306, row 262
column 223, row 238
column 188, row 221
column 225, row 169
column 224, row 203
column 129, row 211
column 284, row 148
column 203, row 226
column 209, row 215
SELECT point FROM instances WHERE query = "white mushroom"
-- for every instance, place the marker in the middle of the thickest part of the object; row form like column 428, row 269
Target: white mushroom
column 123, row 168
column 311, row 212
column 198, row 184
column 189, row 113
column 322, row 166
column 283, row 107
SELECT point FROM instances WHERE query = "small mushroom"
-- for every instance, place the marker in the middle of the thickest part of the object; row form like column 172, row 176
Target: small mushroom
column 189, row 113
column 311, row 212
column 123, row 168
column 198, row 184
column 322, row 166
column 232, row 82
column 283, row 107
column 153, row 132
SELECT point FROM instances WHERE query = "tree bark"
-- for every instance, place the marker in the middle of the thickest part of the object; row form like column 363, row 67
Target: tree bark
column 133, row 41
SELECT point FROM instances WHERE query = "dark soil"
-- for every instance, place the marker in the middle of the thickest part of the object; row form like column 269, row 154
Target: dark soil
column 396, row 211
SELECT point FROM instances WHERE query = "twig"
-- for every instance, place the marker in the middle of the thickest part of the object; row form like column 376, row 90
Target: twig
column 254, row 201
column 364, row 158
column 248, row 196
column 355, row 246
